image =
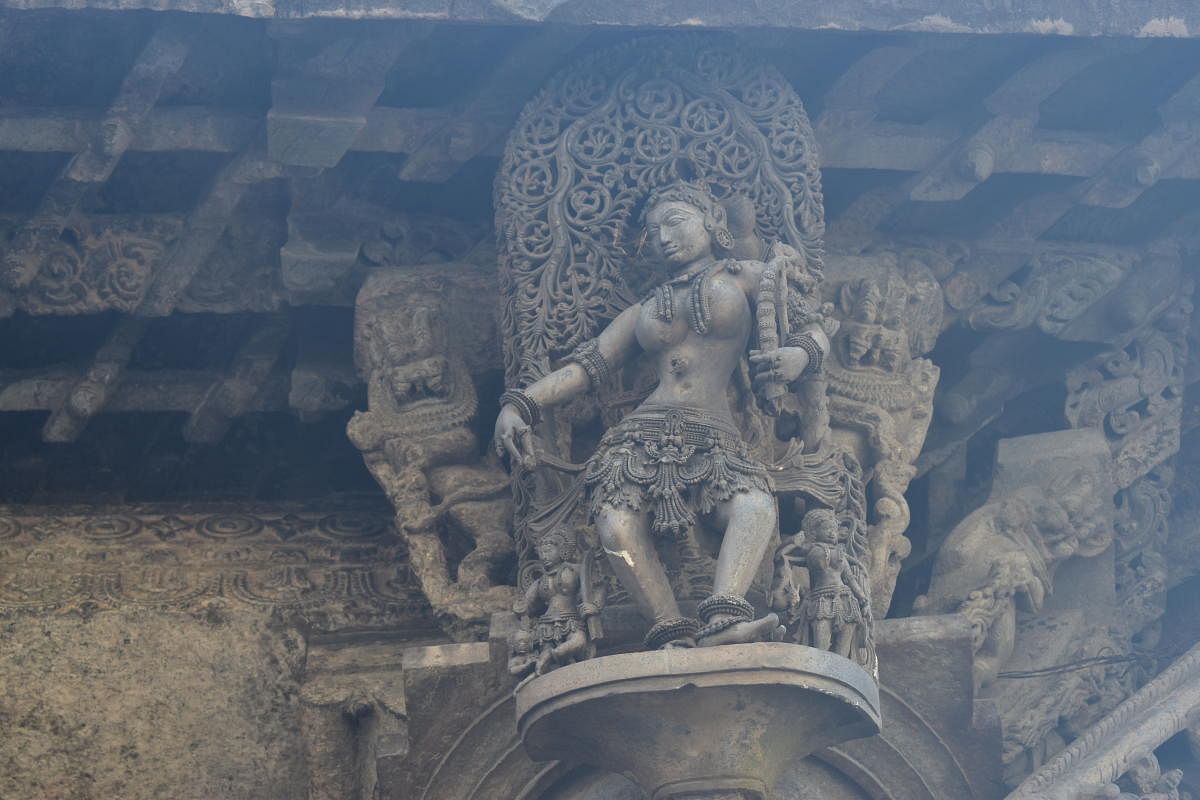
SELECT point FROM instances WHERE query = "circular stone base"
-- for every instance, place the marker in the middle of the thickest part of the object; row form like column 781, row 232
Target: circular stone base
column 681, row 723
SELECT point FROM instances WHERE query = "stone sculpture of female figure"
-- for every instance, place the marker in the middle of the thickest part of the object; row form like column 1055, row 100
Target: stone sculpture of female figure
column 678, row 458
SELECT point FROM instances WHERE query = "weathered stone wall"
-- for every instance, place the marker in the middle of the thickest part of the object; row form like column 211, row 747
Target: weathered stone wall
column 142, row 704
column 152, row 651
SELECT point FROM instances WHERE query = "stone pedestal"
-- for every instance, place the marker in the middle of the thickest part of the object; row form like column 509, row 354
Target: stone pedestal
column 716, row 723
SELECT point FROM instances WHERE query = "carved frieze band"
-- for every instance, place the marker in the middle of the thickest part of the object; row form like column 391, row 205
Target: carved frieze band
column 334, row 567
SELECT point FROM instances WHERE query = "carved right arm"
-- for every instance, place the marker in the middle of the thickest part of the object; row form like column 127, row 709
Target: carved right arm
column 617, row 343
column 513, row 429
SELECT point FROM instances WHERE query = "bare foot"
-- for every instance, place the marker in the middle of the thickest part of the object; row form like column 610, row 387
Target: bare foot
column 752, row 630
column 683, row 643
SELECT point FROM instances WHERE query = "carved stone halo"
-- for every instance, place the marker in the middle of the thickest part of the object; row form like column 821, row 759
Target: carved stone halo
column 587, row 151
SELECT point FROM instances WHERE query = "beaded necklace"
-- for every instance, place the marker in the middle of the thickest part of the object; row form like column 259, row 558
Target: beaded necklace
column 699, row 304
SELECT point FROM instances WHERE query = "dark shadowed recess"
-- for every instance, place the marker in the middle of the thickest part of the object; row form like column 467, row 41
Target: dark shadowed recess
column 267, row 455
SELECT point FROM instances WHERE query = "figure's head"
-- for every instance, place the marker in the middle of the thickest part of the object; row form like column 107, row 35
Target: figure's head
column 686, row 223
column 821, row 525
column 555, row 547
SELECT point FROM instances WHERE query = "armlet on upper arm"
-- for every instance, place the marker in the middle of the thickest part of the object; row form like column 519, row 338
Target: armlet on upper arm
column 588, row 356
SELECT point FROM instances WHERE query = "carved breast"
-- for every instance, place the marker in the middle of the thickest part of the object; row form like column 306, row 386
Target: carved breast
column 722, row 305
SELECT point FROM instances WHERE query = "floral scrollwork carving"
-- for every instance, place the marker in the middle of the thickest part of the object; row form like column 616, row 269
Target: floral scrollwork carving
column 98, row 266
column 586, row 152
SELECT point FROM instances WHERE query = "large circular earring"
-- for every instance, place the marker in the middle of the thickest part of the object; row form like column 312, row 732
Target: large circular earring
column 724, row 238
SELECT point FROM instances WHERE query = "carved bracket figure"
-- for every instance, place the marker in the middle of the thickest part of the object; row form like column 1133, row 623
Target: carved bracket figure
column 881, row 390
column 659, row 219
column 417, row 440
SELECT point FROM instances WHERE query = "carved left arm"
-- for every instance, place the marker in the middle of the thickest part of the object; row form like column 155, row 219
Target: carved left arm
column 788, row 362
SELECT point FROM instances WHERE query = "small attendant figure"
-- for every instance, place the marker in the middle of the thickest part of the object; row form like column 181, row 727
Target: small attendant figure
column 521, row 661
column 554, row 603
column 834, row 610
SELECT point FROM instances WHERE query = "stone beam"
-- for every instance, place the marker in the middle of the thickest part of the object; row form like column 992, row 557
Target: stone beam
column 204, row 227
column 201, row 128
column 405, row 130
column 1155, row 713
column 146, row 391
column 89, row 396
column 235, row 394
column 69, row 130
column 1179, row 18
column 847, row 131
column 162, row 56
column 321, row 101
column 949, row 166
column 1009, row 141
column 856, row 227
column 138, row 390
column 487, row 115
column 1029, row 220
column 1168, row 151
column 880, row 145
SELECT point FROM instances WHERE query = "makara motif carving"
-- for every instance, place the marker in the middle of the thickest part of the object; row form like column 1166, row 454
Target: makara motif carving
column 1005, row 553
column 1051, row 503
column 1059, row 288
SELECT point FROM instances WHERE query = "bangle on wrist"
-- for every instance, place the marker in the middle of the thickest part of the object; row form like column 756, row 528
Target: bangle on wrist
column 807, row 343
column 525, row 405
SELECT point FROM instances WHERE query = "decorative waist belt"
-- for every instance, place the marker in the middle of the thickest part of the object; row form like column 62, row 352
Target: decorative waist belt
column 679, row 461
